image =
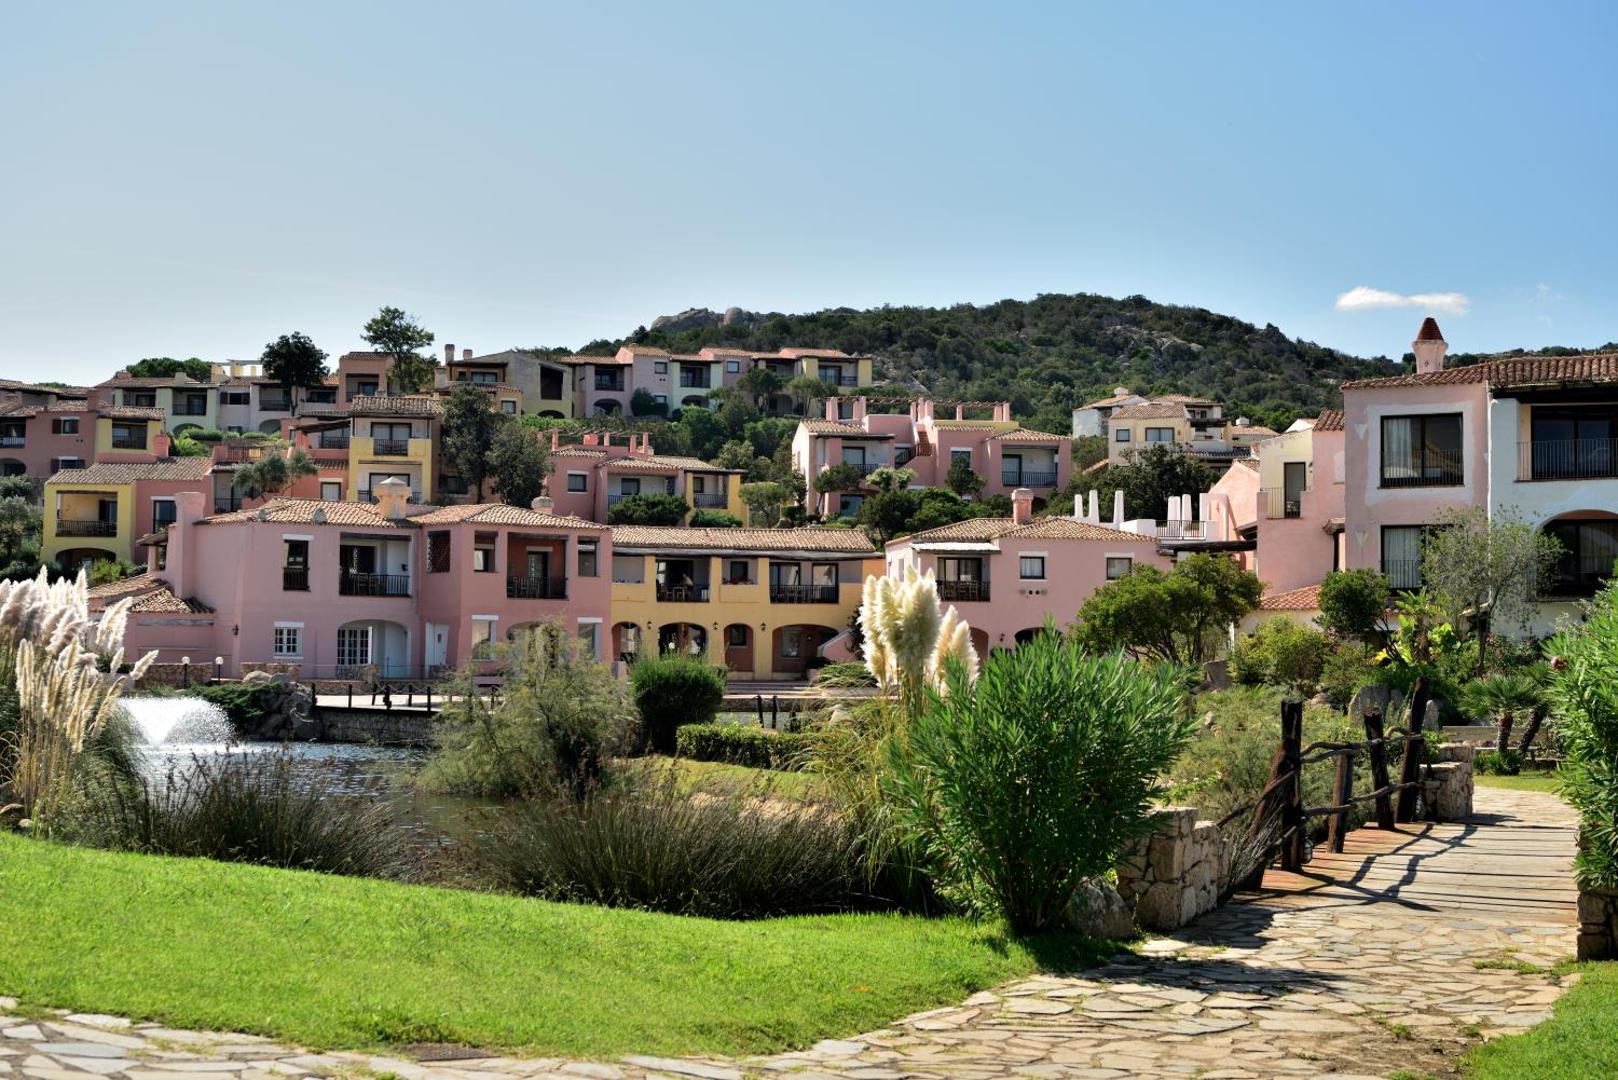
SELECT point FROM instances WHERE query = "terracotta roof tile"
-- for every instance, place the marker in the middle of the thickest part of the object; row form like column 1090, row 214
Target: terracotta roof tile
column 1049, row 528
column 150, row 595
column 1304, row 599
column 127, row 472
column 1152, row 410
column 660, row 462
column 839, row 427
column 1108, row 402
column 1027, row 435
column 1329, row 420
column 1429, row 330
column 501, row 514
column 130, row 412
column 395, row 405
column 659, row 538
column 319, row 511
column 1510, row 373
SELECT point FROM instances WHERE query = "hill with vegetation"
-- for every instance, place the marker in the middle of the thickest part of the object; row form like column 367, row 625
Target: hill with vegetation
column 1052, row 353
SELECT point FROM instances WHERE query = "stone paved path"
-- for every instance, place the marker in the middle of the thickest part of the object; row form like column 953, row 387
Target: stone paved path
column 1423, row 942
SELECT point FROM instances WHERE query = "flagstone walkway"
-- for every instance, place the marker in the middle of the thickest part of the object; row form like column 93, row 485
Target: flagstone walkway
column 1419, row 944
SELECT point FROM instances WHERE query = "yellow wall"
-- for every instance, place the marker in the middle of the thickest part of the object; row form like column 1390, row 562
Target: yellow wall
column 81, row 501
column 1294, row 446
column 104, row 435
column 1137, row 434
column 363, row 460
column 733, row 498
column 748, row 604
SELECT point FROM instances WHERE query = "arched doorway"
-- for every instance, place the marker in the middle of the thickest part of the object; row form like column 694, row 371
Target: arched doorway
column 687, row 638
column 608, row 407
column 375, row 643
column 270, row 427
column 792, row 647
column 82, row 558
column 626, row 642
column 693, row 401
column 980, row 644
column 739, row 647
column 552, row 414
column 182, row 430
column 12, row 467
column 1589, row 541
column 1025, row 636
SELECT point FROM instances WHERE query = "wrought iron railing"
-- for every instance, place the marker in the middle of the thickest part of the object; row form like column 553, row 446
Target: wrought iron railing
column 1567, row 459
column 1027, row 478
column 354, row 583
column 963, row 591
column 391, row 447
column 1427, row 468
column 295, row 578
column 81, row 527
column 803, row 594
column 683, row 594
column 536, row 588
column 709, row 499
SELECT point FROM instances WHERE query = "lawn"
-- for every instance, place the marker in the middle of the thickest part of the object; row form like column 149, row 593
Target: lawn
column 1536, row 781
column 1579, row 1042
column 349, row 962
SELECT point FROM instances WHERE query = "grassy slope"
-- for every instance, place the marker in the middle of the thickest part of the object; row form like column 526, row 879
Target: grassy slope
column 1524, row 782
column 1578, row 1043
column 329, row 961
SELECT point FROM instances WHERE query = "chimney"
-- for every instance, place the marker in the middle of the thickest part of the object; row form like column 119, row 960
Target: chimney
column 1094, row 516
column 449, row 354
column 189, row 508
column 960, row 412
column 392, row 495
column 1118, row 508
column 859, row 408
column 466, row 354
column 1022, row 506
column 161, row 444
column 556, row 438
column 440, row 377
column 831, row 407
column 542, row 504
column 1429, row 347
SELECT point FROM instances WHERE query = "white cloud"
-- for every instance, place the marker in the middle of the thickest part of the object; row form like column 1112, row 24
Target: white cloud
column 1364, row 298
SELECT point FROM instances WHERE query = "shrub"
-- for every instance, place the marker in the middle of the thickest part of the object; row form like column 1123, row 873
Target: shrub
column 848, row 674
column 738, row 744
column 644, row 403
column 1499, row 762
column 1020, row 785
column 714, row 519
column 16, row 487
column 1283, row 652
column 559, row 718
column 242, row 703
column 1584, row 694
column 1353, row 604
column 1348, row 667
column 254, row 808
column 673, row 690
column 652, row 509
column 653, row 846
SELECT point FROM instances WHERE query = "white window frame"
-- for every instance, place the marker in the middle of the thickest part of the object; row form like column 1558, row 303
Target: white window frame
column 595, row 635
column 336, row 487
column 1022, row 575
column 733, row 367
column 492, row 625
column 296, row 634
column 1122, row 434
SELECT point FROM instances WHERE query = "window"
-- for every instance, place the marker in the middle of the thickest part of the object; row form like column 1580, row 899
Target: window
column 732, row 366
column 1421, row 451
column 736, row 636
column 353, row 646
column 66, row 463
column 295, row 565
column 331, row 490
column 791, row 643
column 65, row 425
column 628, row 569
column 438, row 552
column 577, row 481
column 1570, row 442
column 366, row 389
column 483, row 557
column 855, row 455
column 288, row 641
column 483, row 630
column 323, row 396
column 661, row 399
column 629, row 486
column 1159, row 434
column 163, row 514
column 390, row 432
column 902, row 454
column 146, row 400
column 1401, row 555
column 1031, row 567
column 1589, row 550
column 508, row 406
column 660, row 367
column 588, row 562
column 235, row 397
column 129, row 436
column 588, row 633
column 1119, row 566
column 960, row 455
column 1121, row 434
column 740, row 572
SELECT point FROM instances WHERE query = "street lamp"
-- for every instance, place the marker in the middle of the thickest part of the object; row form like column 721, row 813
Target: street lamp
column 186, row 676
column 218, row 669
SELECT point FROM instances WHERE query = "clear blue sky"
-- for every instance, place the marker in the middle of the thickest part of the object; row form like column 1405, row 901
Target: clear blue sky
column 194, row 179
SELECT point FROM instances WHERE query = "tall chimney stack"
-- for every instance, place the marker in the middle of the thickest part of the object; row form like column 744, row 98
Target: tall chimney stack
column 466, row 354
column 449, row 353
column 1429, row 347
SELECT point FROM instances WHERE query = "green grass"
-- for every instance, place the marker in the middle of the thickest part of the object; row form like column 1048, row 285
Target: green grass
column 349, row 962
column 722, row 776
column 1528, row 781
column 1580, row 1040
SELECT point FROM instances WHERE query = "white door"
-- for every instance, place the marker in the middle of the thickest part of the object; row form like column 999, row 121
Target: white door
column 437, row 646
column 353, row 646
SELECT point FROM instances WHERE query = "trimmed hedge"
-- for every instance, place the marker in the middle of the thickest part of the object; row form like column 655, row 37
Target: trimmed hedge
column 755, row 747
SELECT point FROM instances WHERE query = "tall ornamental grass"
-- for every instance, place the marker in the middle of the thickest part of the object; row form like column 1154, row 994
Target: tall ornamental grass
column 1583, row 693
column 1017, row 787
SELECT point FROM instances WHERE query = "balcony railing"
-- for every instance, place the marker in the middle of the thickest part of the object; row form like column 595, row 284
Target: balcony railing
column 1182, row 530
column 1567, row 459
column 1278, row 504
column 81, row 527
column 1027, row 478
column 1402, row 573
column 1433, row 469
column 12, row 440
column 840, row 380
column 275, row 404
column 682, row 594
column 963, row 591
column 333, row 440
column 391, row 447
column 806, row 594
column 536, row 588
column 191, row 410
column 709, row 499
column 353, row 583
column 295, row 578
column 365, row 495
column 696, row 382
column 128, row 442
column 224, row 504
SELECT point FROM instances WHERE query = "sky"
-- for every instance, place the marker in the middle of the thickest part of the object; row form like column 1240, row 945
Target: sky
column 197, row 178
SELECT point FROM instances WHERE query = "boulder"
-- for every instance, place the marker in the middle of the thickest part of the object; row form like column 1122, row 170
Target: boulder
column 1098, row 910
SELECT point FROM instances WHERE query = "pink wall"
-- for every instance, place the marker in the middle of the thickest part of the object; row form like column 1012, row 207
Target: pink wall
column 40, row 446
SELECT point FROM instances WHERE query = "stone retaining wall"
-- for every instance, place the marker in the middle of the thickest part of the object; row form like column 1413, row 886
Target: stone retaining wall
column 397, row 728
column 1598, row 924
column 1447, row 795
column 1174, row 874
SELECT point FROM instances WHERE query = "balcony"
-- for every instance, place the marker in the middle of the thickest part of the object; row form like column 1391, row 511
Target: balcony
column 709, row 500
column 1578, row 576
column 391, row 447
column 1279, row 504
column 181, row 409
column 1027, row 478
column 12, row 440
column 129, row 442
column 295, row 579
column 277, row 404
column 682, row 594
column 834, row 379
column 963, row 591
column 85, row 527
column 695, row 382
column 353, row 583
column 536, row 588
column 613, row 385
column 1567, row 459
column 807, row 594
column 1182, row 530
column 333, row 440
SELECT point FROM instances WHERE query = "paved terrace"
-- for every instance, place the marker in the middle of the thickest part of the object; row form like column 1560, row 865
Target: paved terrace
column 1396, row 954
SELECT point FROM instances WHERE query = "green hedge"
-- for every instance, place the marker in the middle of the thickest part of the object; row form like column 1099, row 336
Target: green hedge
column 754, row 747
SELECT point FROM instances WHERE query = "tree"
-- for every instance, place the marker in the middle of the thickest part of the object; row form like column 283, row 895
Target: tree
column 1486, row 570
column 1353, row 604
column 762, row 383
column 20, row 529
column 470, row 428
column 1504, row 697
column 294, row 360
column 399, row 335
column 275, row 472
column 166, row 367
column 1177, row 616
column 644, row 403
column 653, row 508
column 961, row 479
column 765, row 501
column 736, row 454
column 1149, row 477
column 518, row 462
column 714, row 519
column 838, row 478
column 1284, row 653
column 806, row 390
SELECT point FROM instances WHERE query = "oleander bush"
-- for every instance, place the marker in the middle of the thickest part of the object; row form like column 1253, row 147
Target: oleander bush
column 1583, row 692
column 672, row 690
column 739, row 744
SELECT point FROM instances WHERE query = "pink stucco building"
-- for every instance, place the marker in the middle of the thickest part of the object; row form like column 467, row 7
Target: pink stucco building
column 590, row 477
column 1001, row 451
column 338, row 587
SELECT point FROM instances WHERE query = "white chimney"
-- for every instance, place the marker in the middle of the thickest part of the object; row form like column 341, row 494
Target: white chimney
column 1117, row 509
column 392, row 496
column 542, row 504
column 1429, row 347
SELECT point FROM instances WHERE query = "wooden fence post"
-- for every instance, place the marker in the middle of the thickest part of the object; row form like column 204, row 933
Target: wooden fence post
column 1409, row 773
column 1292, row 821
column 1379, row 768
column 1420, row 694
column 1342, row 790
